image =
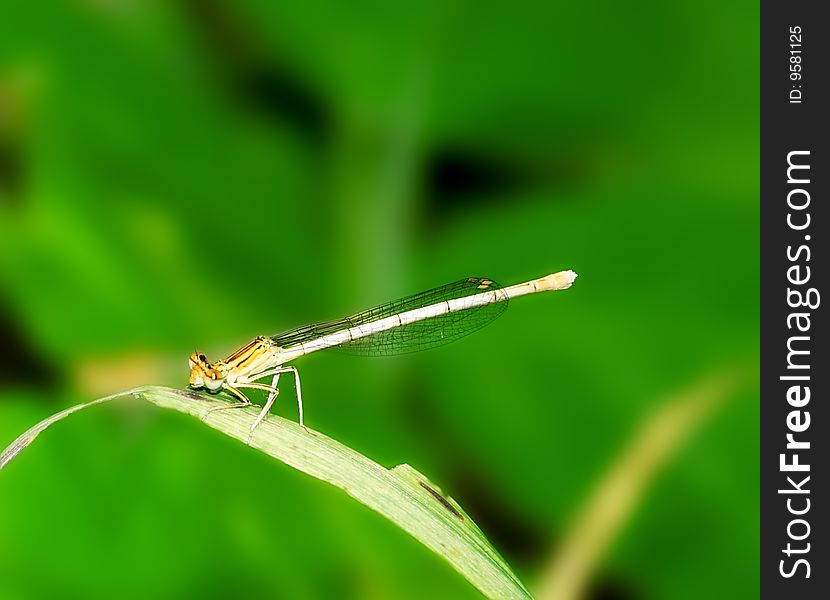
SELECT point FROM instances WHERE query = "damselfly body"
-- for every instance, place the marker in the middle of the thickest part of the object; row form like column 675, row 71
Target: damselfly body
column 417, row 322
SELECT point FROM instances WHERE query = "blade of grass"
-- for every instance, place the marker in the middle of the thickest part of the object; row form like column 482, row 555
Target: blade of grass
column 628, row 478
column 401, row 494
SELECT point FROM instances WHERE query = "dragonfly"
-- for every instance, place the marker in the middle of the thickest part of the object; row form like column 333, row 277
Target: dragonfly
column 417, row 322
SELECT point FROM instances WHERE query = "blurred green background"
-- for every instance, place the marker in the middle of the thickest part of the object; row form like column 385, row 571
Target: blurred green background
column 180, row 175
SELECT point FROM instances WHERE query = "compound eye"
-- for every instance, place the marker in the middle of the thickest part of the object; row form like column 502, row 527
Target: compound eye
column 203, row 358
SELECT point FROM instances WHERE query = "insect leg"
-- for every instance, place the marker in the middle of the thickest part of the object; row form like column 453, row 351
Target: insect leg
column 243, row 401
column 276, row 373
column 272, row 396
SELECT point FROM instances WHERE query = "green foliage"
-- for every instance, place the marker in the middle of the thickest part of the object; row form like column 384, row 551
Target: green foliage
column 193, row 174
column 402, row 495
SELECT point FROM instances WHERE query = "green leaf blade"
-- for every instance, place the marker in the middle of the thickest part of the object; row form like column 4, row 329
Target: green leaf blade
column 402, row 494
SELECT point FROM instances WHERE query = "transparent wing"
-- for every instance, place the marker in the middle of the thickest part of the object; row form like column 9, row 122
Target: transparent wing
column 412, row 337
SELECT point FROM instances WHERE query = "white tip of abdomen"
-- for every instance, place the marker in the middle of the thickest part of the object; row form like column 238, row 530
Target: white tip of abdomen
column 557, row 281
